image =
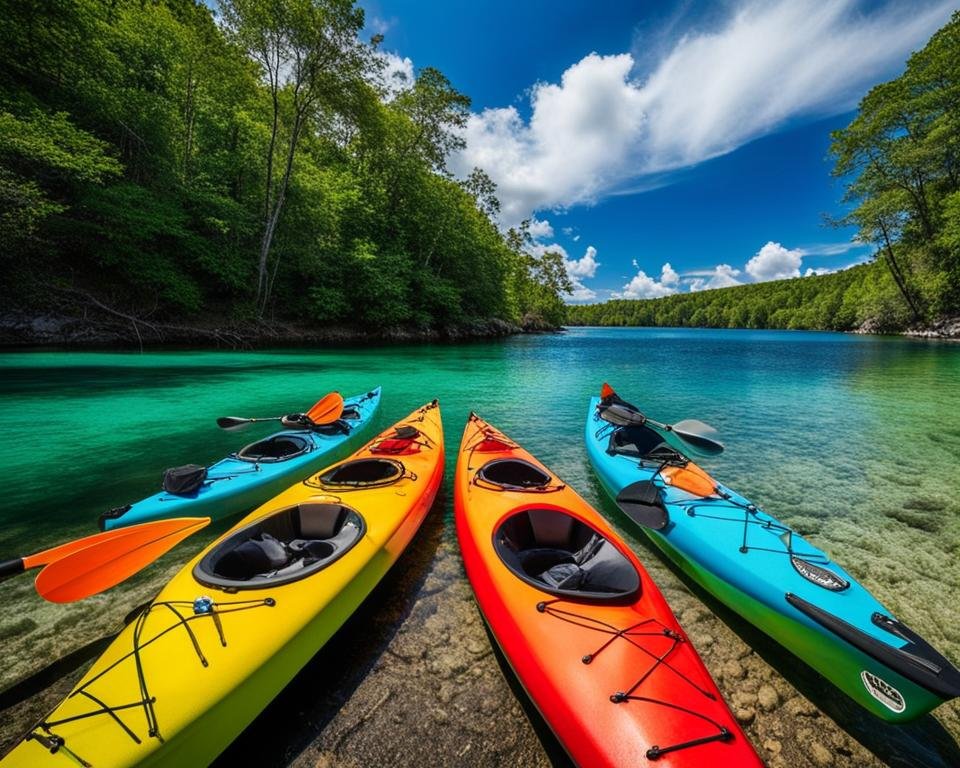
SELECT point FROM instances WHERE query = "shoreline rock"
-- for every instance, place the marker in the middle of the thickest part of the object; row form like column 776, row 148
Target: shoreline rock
column 22, row 330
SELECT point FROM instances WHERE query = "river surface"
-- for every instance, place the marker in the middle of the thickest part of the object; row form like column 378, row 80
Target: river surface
column 853, row 440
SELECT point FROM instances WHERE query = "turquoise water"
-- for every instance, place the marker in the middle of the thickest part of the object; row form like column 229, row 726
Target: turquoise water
column 853, row 440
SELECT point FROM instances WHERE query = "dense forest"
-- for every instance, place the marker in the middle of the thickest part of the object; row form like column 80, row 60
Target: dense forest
column 258, row 165
column 900, row 161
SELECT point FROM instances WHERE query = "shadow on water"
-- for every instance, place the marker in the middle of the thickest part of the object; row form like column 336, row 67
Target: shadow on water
column 551, row 744
column 924, row 743
column 304, row 708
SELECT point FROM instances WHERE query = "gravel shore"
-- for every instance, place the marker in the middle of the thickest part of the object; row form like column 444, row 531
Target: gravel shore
column 412, row 679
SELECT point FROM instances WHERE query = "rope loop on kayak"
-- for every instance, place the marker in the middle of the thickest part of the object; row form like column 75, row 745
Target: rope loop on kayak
column 185, row 611
column 751, row 517
column 633, row 634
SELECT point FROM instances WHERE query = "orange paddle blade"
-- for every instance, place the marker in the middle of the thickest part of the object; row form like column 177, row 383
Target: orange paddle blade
column 327, row 410
column 151, row 530
column 606, row 391
column 106, row 563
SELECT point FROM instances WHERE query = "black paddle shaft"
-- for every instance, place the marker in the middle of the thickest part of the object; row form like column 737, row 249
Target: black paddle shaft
column 11, row 567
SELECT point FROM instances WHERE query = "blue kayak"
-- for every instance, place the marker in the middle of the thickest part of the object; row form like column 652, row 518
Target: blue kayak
column 765, row 571
column 256, row 473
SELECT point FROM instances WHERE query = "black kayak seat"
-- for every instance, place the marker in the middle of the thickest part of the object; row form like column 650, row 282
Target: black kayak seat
column 285, row 546
column 513, row 474
column 363, row 473
column 635, row 441
column 273, row 449
column 558, row 554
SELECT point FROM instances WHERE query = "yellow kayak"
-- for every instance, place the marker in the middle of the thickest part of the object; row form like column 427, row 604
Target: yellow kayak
column 234, row 626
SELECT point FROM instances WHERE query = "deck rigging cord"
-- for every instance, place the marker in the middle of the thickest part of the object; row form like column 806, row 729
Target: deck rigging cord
column 649, row 627
column 201, row 607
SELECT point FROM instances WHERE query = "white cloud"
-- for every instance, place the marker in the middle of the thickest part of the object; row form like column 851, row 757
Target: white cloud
column 774, row 262
column 668, row 275
column 602, row 128
column 818, row 271
column 642, row 286
column 540, row 229
column 579, row 134
column 397, row 73
column 721, row 276
column 585, row 266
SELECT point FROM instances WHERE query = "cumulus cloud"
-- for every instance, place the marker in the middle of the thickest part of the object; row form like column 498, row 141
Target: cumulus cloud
column 818, row 271
column 605, row 126
column 642, row 286
column 721, row 276
column 540, row 229
column 774, row 262
column 579, row 134
column 585, row 266
column 397, row 74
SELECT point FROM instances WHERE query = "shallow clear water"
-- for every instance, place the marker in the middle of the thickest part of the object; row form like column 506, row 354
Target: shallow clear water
column 854, row 440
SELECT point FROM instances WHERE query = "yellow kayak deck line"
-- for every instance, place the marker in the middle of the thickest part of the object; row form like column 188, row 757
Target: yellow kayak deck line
column 202, row 661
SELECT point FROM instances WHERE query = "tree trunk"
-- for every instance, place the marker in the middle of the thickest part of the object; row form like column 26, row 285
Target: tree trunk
column 273, row 218
column 898, row 276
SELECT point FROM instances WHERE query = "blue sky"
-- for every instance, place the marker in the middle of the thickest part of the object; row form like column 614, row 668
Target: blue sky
column 662, row 146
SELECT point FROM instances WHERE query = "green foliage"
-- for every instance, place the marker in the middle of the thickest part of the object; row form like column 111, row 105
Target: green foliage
column 842, row 301
column 901, row 159
column 175, row 165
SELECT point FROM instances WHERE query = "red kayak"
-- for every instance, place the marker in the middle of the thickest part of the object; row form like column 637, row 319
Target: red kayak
column 585, row 629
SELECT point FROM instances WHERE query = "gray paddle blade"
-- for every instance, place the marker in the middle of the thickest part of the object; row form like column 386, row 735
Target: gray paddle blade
column 641, row 502
column 232, row 423
column 699, row 436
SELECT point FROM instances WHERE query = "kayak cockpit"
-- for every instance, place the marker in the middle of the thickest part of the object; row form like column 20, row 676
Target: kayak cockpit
column 274, row 449
column 287, row 545
column 513, row 474
column 635, row 441
column 560, row 555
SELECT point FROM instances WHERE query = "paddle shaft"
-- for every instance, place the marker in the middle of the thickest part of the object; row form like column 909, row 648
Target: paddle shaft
column 12, row 567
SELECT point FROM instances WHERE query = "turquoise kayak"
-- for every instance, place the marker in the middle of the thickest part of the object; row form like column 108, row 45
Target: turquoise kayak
column 765, row 571
column 257, row 472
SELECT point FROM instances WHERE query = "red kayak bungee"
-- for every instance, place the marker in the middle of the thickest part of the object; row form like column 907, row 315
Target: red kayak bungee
column 581, row 623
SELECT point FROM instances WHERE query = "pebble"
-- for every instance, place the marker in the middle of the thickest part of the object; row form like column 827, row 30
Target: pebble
column 768, row 698
column 820, row 755
column 744, row 699
column 798, row 706
column 745, row 715
column 773, row 746
column 733, row 670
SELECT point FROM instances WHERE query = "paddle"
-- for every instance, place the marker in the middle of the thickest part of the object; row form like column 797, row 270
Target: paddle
column 325, row 411
column 692, row 432
column 640, row 501
column 97, row 568
column 98, row 562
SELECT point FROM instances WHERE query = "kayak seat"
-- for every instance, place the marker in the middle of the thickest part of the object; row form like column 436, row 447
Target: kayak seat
column 285, row 546
column 635, row 441
column 363, row 473
column 513, row 474
column 560, row 555
column 274, row 449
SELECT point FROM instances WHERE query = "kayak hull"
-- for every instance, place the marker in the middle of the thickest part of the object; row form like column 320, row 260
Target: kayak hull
column 234, row 486
column 590, row 666
column 756, row 585
column 204, row 693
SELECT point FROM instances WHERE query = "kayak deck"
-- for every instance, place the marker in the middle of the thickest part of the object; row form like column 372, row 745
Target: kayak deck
column 605, row 662
column 777, row 580
column 183, row 679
